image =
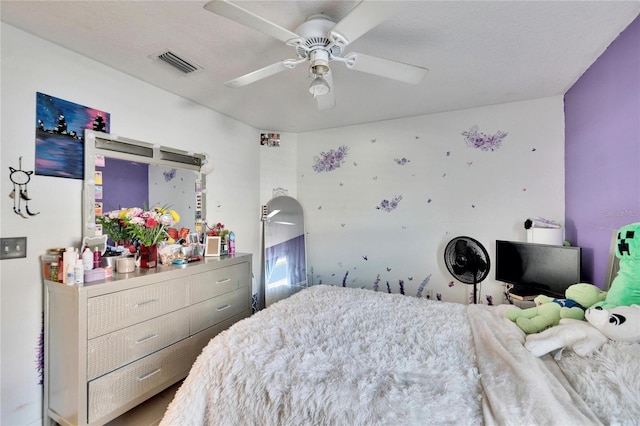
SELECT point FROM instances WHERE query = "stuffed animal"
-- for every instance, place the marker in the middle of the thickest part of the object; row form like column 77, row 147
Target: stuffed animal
column 548, row 311
column 625, row 287
column 621, row 323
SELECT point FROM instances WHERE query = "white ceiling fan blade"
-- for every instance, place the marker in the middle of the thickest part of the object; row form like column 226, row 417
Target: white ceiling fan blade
column 249, row 19
column 385, row 68
column 363, row 17
column 327, row 100
column 254, row 76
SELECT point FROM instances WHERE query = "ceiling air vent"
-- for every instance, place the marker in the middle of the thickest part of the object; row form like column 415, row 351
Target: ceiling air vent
column 177, row 62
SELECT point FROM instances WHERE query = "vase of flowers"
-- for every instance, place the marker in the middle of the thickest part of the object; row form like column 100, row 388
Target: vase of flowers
column 148, row 227
column 148, row 256
column 114, row 225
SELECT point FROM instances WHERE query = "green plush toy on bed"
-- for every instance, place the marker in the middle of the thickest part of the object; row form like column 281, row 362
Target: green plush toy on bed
column 625, row 287
column 548, row 311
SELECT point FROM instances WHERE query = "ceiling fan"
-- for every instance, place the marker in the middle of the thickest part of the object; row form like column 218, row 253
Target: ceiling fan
column 320, row 41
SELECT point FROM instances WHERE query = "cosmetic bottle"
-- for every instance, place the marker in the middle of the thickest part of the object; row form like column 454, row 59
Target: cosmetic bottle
column 97, row 258
column 61, row 267
column 70, row 277
column 78, row 272
column 232, row 243
column 69, row 262
column 87, row 259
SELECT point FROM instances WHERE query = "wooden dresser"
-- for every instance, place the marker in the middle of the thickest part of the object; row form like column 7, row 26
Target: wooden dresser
column 111, row 345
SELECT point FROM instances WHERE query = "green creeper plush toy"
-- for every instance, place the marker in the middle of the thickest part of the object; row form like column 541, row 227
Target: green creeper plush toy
column 625, row 287
column 548, row 311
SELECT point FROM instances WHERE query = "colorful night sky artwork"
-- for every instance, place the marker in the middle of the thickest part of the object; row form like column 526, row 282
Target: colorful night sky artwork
column 60, row 127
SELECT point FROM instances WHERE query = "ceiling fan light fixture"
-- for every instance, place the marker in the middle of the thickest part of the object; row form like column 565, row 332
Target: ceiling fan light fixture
column 319, row 86
column 320, row 69
column 319, row 61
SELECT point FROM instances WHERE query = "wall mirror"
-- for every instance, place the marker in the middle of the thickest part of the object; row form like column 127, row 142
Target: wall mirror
column 285, row 269
column 121, row 172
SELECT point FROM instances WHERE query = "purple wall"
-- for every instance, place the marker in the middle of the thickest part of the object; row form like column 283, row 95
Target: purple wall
column 602, row 158
column 124, row 184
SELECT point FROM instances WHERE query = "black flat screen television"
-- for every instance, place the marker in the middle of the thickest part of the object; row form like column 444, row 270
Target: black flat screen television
column 537, row 268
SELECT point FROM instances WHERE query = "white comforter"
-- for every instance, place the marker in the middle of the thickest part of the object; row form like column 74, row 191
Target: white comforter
column 341, row 356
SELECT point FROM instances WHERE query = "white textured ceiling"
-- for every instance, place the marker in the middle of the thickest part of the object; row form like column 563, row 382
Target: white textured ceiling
column 478, row 53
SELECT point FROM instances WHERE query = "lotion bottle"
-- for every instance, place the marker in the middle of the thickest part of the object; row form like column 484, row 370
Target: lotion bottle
column 78, row 272
column 87, row 259
column 69, row 262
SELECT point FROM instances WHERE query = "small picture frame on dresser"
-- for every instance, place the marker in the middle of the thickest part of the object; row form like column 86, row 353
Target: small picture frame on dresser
column 213, row 246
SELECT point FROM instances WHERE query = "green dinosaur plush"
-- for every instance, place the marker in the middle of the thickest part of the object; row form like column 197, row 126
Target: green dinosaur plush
column 548, row 311
column 625, row 287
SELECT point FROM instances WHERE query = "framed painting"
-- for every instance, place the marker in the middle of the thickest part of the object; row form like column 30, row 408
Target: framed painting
column 60, row 127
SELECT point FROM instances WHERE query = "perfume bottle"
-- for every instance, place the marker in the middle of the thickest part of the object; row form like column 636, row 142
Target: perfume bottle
column 97, row 258
column 232, row 243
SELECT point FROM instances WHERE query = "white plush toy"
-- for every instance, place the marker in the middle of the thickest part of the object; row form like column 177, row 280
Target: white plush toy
column 621, row 323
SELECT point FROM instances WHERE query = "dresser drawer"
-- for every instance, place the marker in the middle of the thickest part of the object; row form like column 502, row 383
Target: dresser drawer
column 201, row 339
column 213, row 283
column 122, row 386
column 217, row 309
column 118, row 310
column 111, row 351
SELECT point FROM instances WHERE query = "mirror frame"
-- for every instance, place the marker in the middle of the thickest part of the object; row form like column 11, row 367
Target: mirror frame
column 267, row 296
column 113, row 146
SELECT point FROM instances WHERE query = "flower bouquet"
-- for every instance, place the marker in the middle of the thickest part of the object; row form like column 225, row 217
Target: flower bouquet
column 147, row 226
column 114, row 225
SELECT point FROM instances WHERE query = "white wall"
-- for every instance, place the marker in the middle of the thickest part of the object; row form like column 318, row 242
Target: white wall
column 138, row 111
column 448, row 189
column 278, row 167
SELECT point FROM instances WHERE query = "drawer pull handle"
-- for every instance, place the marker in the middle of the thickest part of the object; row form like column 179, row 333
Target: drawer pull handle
column 141, row 304
column 222, row 308
column 226, row 280
column 146, row 376
column 146, row 339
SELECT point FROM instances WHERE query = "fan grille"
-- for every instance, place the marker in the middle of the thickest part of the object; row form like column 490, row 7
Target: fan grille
column 320, row 41
column 467, row 260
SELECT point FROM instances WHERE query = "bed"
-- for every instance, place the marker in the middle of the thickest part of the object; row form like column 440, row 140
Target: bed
column 342, row 356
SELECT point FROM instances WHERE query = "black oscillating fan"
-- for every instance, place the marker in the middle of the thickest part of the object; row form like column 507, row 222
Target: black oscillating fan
column 468, row 261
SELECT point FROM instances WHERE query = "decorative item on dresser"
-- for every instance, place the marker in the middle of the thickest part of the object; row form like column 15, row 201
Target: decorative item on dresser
column 111, row 345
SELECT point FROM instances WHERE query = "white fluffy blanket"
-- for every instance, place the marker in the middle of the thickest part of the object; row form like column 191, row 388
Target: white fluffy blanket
column 341, row 356
column 608, row 380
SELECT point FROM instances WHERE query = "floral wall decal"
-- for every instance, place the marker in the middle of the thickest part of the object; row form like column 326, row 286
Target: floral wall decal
column 482, row 141
column 422, row 285
column 376, row 283
column 331, row 160
column 401, row 161
column 389, row 206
